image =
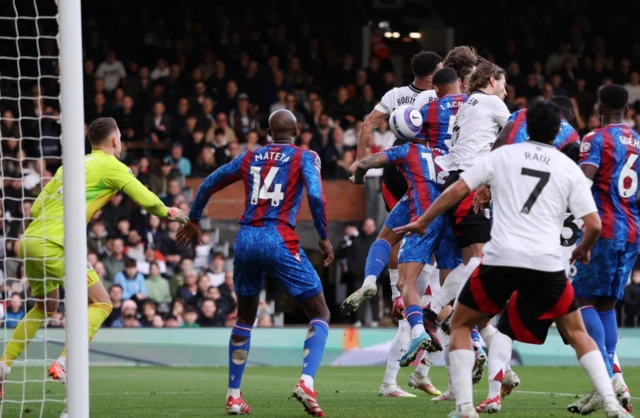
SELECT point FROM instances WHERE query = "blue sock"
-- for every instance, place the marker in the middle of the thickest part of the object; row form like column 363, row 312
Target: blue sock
column 610, row 324
column 413, row 314
column 378, row 258
column 314, row 346
column 595, row 329
column 475, row 337
column 238, row 354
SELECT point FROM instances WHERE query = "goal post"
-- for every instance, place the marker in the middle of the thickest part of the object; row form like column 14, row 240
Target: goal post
column 72, row 121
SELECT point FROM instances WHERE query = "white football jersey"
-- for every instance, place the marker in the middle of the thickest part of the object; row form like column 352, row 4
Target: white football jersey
column 401, row 96
column 532, row 185
column 476, row 127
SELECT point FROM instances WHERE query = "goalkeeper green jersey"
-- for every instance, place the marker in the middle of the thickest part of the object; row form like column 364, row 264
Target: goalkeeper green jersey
column 105, row 176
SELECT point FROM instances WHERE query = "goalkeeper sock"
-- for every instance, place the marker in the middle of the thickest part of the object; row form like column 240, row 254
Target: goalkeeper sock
column 314, row 349
column 98, row 313
column 238, row 355
column 376, row 260
column 22, row 335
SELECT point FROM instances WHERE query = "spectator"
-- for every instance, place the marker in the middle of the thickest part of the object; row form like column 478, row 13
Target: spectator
column 171, row 322
column 222, row 122
column 356, row 255
column 114, row 212
column 155, row 235
column 224, row 305
column 202, row 258
column 157, row 124
column 281, row 101
column 131, row 321
column 98, row 110
column 161, row 70
column 633, row 87
column 308, row 142
column 132, row 282
column 179, row 164
column 114, row 264
column 180, row 117
column 157, row 322
column 631, row 300
column 189, row 288
column 15, row 312
column 292, row 106
column 152, row 256
column 218, row 81
column 217, row 272
column 148, row 313
column 135, row 246
column 227, row 101
column 332, row 153
column 97, row 238
column 174, row 191
column 157, row 286
column 241, row 119
column 115, row 294
column 234, row 150
column 190, row 318
column 112, row 71
column 210, row 317
column 129, row 309
column 342, row 109
column 220, row 147
column 128, row 120
column 382, row 136
column 205, row 163
column 251, row 142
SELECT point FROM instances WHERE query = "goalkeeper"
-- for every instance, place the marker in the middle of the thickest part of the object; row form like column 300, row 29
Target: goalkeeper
column 42, row 246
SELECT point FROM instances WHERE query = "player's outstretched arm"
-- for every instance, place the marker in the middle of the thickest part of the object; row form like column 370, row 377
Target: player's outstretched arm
column 152, row 203
column 311, row 166
column 378, row 160
column 366, row 133
column 216, row 181
column 447, row 199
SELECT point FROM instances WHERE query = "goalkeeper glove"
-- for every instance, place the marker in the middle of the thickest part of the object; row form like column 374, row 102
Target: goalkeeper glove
column 177, row 215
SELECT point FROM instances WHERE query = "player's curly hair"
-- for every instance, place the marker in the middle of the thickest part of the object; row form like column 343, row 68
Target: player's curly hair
column 100, row 129
column 543, row 121
column 483, row 73
column 463, row 60
column 425, row 63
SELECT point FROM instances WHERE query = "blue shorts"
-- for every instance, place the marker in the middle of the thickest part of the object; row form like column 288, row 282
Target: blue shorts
column 609, row 270
column 448, row 254
column 420, row 249
column 400, row 215
column 274, row 250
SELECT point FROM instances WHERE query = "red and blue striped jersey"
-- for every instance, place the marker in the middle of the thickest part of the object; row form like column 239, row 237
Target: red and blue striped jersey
column 417, row 165
column 438, row 119
column 518, row 134
column 273, row 178
column 614, row 150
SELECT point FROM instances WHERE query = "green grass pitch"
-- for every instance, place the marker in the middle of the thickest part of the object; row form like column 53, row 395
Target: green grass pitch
column 141, row 392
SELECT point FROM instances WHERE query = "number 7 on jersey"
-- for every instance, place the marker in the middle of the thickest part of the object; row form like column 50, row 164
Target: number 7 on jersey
column 276, row 196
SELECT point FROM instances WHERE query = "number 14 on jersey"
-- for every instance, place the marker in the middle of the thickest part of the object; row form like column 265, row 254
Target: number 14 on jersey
column 276, row 196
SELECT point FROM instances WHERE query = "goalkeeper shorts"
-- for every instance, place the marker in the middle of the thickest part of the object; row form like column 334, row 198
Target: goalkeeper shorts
column 44, row 265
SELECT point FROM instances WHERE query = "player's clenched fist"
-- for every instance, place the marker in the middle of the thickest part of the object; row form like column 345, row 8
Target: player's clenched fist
column 177, row 215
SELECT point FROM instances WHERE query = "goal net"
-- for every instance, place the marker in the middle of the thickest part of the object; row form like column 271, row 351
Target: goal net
column 31, row 146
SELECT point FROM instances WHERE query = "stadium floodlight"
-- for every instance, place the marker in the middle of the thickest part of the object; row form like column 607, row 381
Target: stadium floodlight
column 388, row 34
column 415, row 35
column 396, row 35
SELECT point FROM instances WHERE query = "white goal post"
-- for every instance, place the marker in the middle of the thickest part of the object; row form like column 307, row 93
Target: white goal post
column 72, row 120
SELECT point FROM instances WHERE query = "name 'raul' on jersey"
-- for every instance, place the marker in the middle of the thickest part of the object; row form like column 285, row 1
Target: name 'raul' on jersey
column 423, row 175
column 614, row 150
column 438, row 119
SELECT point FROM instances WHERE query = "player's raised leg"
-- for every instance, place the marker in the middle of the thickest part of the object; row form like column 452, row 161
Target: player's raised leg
column 100, row 308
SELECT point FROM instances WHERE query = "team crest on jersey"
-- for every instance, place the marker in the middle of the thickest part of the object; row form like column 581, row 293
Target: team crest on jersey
column 585, row 146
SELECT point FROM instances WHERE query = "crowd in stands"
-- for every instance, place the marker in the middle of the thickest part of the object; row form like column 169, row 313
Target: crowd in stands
column 191, row 92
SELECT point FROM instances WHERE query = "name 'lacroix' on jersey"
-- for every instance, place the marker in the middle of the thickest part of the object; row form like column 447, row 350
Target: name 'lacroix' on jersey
column 614, row 149
column 424, row 176
column 273, row 178
column 518, row 134
column 438, row 119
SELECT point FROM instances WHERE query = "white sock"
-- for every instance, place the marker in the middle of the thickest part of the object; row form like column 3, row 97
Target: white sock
column 234, row 393
column 593, row 364
column 371, row 279
column 461, row 369
column 423, row 279
column 447, row 363
column 488, row 334
column 62, row 361
column 398, row 345
column 417, row 331
column 308, row 381
column 616, row 362
column 429, row 359
column 449, row 288
column 499, row 357
column 393, row 278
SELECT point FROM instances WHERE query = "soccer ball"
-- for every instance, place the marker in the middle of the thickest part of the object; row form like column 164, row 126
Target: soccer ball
column 405, row 122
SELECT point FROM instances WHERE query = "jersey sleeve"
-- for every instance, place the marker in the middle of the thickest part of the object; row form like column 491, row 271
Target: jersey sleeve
column 385, row 105
column 581, row 201
column 119, row 177
column 311, row 166
column 591, row 149
column 501, row 113
column 216, row 181
column 482, row 172
column 397, row 155
column 513, row 116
